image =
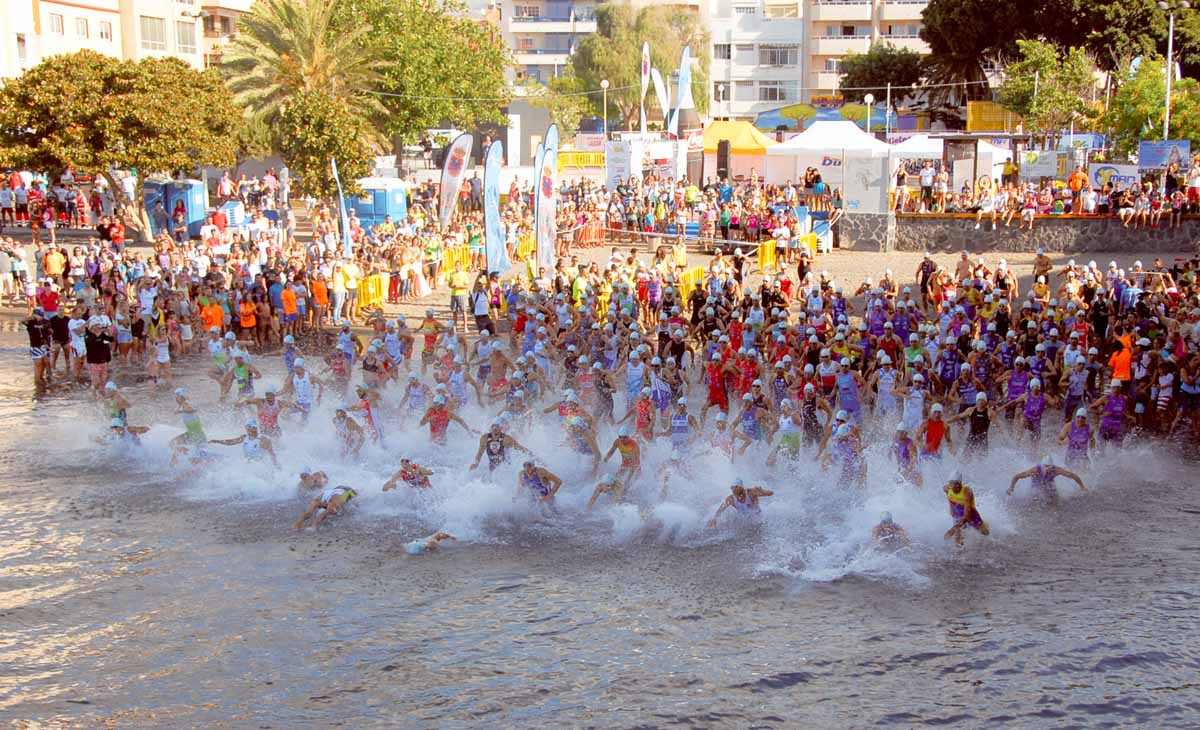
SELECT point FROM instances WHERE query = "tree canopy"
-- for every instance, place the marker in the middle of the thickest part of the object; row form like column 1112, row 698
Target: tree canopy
column 612, row 53
column 92, row 112
column 289, row 47
column 316, row 126
column 439, row 67
column 871, row 72
column 1136, row 110
column 1049, row 87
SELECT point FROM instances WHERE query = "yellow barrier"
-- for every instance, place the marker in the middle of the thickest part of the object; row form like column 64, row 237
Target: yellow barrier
column 526, row 246
column 691, row 280
column 372, row 290
column 580, row 159
column 810, row 240
column 766, row 257
column 455, row 255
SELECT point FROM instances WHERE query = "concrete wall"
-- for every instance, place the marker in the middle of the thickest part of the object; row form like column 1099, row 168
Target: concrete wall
column 1056, row 235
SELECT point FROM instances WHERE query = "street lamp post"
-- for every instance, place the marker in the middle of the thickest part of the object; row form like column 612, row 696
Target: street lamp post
column 869, row 100
column 604, row 88
column 1170, row 8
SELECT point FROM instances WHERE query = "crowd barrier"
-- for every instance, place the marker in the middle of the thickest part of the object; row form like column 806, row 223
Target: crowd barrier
column 455, row 255
column 766, row 257
column 691, row 280
column 372, row 290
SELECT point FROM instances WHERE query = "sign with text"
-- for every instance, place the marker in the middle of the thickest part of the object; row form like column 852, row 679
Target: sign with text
column 1101, row 174
column 1159, row 155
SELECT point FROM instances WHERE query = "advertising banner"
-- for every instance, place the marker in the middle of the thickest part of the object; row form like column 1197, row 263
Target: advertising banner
column 341, row 208
column 685, row 83
column 493, row 225
column 619, row 163
column 1040, row 163
column 453, row 172
column 544, row 215
column 660, row 90
column 645, row 82
column 1158, row 155
column 1102, row 173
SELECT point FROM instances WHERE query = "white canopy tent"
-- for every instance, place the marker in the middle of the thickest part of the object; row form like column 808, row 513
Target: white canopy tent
column 825, row 146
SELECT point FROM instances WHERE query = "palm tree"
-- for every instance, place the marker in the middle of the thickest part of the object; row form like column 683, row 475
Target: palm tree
column 284, row 47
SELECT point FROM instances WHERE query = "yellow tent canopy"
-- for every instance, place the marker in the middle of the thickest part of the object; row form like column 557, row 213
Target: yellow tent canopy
column 743, row 138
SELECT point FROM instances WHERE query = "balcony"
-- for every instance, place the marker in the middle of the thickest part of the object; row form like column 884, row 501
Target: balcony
column 841, row 10
column 542, row 57
column 544, row 24
column 910, row 11
column 840, row 45
column 826, row 80
column 908, row 42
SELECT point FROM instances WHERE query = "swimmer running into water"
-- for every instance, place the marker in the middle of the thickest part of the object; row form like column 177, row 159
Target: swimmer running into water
column 743, row 501
column 412, row 474
column 1043, row 476
column 962, row 509
column 608, row 485
column 540, row 483
column 427, row 544
column 887, row 535
column 330, row 502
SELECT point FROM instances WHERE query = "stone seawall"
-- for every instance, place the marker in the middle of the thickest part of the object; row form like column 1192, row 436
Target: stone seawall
column 883, row 232
column 1061, row 235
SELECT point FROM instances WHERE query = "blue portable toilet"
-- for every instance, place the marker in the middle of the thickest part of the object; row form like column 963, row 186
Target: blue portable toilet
column 194, row 195
column 156, row 192
column 381, row 196
column 236, row 213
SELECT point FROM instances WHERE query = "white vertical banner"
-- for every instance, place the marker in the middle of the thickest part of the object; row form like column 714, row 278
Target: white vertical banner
column 346, row 245
column 453, row 172
column 545, row 213
column 645, row 82
column 660, row 90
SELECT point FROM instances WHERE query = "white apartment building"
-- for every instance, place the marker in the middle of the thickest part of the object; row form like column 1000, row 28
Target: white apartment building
column 219, row 18
column 770, row 53
column 543, row 34
column 32, row 30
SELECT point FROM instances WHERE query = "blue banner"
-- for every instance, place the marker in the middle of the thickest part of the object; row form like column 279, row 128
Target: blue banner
column 1158, row 155
column 346, row 246
column 497, row 252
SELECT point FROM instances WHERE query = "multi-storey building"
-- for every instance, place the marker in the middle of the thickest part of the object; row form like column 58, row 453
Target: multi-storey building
column 32, row 30
column 770, row 53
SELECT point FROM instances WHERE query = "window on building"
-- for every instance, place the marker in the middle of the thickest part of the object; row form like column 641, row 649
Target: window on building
column 833, row 64
column 527, row 11
column 154, row 33
column 778, row 55
column 81, row 27
column 185, row 36
column 743, row 91
column 212, row 59
column 849, row 30
column 22, row 50
column 56, row 24
column 524, row 44
column 782, row 11
column 744, row 54
column 745, row 10
column 227, row 26
column 105, row 30
column 722, row 51
column 210, row 25
column 776, row 90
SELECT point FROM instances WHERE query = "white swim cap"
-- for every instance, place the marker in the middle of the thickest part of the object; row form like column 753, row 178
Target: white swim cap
column 181, row 392
column 886, row 518
column 1081, row 413
column 980, row 398
column 110, row 385
column 841, row 416
column 118, row 423
column 623, row 431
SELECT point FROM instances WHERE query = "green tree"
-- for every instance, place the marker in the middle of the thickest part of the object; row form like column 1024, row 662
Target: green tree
column 1136, row 110
column 1130, row 29
column 963, row 35
column 92, row 112
column 871, row 72
column 285, row 48
column 438, row 66
column 1049, row 87
column 315, row 127
column 614, row 51
column 799, row 112
column 564, row 98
